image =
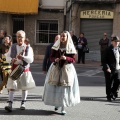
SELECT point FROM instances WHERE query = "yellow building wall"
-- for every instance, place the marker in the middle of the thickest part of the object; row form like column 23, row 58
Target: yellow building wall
column 19, row 6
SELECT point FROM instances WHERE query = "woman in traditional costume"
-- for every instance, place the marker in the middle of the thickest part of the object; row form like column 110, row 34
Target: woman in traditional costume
column 61, row 87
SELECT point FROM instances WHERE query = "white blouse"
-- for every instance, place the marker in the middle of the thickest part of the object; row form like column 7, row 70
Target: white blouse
column 117, row 57
column 29, row 58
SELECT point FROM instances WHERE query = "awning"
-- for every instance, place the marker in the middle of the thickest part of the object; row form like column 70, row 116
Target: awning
column 19, row 6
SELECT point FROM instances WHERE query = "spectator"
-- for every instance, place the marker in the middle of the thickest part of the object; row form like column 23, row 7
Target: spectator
column 27, row 41
column 74, row 38
column 104, row 43
column 46, row 60
column 3, row 33
column 82, row 42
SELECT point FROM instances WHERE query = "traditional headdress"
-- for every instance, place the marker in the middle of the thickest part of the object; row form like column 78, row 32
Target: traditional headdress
column 70, row 48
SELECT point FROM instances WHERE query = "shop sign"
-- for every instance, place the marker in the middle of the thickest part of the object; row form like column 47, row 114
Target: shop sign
column 96, row 14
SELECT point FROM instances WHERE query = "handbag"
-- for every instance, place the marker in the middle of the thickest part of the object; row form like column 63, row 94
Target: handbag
column 79, row 47
column 86, row 49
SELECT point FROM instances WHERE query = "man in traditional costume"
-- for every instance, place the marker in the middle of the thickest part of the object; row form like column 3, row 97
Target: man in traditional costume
column 20, row 53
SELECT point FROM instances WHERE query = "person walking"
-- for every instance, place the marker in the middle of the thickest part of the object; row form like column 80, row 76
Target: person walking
column 46, row 61
column 17, row 55
column 111, row 66
column 3, row 34
column 7, row 42
column 5, row 66
column 82, row 42
column 104, row 43
column 61, row 87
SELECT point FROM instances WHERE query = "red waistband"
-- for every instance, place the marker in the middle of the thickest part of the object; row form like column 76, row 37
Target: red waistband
column 15, row 65
column 27, row 70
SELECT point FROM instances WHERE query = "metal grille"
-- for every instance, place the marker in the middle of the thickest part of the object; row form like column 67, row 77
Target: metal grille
column 46, row 31
column 18, row 24
column 94, row 29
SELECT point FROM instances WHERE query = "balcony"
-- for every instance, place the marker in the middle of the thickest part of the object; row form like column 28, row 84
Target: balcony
column 97, row 1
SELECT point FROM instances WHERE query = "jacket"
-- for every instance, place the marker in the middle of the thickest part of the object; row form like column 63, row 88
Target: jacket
column 109, row 61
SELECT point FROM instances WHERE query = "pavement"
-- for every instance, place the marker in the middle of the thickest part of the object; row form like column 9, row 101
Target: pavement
column 87, row 63
column 93, row 105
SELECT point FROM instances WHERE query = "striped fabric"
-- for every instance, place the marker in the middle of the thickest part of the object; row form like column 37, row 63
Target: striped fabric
column 6, row 66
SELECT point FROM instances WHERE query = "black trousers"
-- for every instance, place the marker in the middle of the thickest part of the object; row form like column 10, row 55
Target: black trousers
column 112, row 81
column 81, row 56
column 108, row 83
column 116, row 81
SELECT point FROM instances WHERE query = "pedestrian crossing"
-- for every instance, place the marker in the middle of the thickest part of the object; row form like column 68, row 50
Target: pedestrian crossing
column 87, row 73
column 90, row 72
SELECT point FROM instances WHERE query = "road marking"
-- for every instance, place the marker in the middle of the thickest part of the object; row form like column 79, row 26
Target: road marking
column 38, row 73
column 86, row 73
column 90, row 72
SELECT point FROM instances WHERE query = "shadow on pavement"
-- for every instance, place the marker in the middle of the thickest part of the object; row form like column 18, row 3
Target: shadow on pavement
column 29, row 112
column 101, row 99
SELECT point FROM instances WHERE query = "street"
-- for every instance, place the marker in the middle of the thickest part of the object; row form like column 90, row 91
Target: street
column 93, row 104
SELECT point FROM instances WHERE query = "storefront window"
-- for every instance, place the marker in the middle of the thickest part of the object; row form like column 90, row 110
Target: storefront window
column 46, row 31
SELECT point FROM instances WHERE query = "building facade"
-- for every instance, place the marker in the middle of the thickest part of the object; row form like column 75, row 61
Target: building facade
column 93, row 17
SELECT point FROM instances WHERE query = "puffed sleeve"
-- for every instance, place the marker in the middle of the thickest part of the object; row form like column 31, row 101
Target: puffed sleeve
column 30, row 57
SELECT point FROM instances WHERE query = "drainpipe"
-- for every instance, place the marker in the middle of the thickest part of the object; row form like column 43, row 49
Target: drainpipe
column 65, row 11
column 70, row 16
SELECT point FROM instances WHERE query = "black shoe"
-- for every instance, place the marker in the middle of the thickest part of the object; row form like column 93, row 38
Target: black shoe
column 109, row 99
column 114, row 96
column 22, row 107
column 8, row 108
column 56, row 108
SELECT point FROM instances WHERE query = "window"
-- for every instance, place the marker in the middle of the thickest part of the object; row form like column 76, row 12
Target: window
column 18, row 24
column 46, row 31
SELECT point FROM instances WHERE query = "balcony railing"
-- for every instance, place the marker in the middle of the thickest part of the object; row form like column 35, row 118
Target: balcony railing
column 97, row 1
